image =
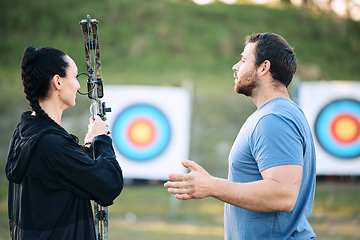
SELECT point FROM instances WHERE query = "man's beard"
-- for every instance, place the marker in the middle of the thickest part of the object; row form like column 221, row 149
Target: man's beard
column 247, row 84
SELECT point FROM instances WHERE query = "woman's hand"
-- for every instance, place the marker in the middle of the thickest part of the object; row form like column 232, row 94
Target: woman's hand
column 96, row 127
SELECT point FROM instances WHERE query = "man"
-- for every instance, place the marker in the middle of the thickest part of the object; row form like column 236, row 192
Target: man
column 270, row 188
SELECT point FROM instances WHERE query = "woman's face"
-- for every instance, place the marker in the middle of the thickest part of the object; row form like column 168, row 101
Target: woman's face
column 70, row 84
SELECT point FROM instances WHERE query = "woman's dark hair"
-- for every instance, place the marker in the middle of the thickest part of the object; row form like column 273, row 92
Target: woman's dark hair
column 272, row 47
column 38, row 67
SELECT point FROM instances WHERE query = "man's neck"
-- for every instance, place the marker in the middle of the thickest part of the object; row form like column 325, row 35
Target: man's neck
column 262, row 97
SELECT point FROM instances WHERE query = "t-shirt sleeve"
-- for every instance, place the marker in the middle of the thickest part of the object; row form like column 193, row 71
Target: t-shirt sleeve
column 276, row 141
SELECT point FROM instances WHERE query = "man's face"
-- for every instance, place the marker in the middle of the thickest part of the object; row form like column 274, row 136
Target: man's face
column 246, row 78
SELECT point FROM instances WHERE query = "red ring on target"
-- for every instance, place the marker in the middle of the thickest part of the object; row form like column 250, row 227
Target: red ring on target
column 337, row 128
column 345, row 128
column 141, row 132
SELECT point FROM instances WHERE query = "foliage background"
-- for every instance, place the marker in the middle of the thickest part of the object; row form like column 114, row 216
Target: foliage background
column 176, row 42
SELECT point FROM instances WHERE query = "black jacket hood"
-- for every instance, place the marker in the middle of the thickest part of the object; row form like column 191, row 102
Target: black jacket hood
column 23, row 143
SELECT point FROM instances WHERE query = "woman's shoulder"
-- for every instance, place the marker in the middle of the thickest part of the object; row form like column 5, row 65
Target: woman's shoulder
column 55, row 137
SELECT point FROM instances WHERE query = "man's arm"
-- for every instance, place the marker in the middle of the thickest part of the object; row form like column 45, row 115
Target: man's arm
column 278, row 191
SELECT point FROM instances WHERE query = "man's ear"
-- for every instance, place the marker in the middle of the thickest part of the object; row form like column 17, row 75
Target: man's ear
column 264, row 68
column 56, row 81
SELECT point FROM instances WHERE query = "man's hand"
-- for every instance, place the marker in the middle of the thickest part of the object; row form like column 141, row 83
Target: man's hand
column 196, row 184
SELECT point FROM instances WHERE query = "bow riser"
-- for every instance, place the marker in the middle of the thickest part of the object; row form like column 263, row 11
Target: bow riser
column 95, row 92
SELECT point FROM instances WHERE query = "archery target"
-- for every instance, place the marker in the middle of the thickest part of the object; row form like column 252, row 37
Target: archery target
column 337, row 128
column 150, row 128
column 333, row 111
column 141, row 132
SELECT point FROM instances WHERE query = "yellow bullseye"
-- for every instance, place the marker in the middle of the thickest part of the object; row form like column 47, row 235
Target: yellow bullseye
column 346, row 129
column 141, row 132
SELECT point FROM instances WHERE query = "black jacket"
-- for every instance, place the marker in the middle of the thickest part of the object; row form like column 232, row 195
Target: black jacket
column 52, row 180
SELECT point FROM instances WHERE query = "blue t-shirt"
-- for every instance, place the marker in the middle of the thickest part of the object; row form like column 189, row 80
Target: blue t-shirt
column 276, row 134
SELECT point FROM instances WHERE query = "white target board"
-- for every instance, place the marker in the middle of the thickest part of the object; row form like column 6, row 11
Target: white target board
column 333, row 111
column 150, row 128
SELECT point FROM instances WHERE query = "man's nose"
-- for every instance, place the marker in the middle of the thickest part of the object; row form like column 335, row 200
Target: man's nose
column 235, row 67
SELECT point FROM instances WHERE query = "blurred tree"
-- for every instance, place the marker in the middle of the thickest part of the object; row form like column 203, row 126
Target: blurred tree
column 285, row 1
column 344, row 8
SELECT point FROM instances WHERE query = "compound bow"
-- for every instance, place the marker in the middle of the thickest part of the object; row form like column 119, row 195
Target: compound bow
column 95, row 92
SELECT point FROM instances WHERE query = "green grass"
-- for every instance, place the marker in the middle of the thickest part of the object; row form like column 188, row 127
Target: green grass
column 150, row 212
column 160, row 216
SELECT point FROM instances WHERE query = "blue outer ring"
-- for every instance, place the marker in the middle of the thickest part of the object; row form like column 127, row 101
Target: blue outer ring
column 130, row 114
column 323, row 125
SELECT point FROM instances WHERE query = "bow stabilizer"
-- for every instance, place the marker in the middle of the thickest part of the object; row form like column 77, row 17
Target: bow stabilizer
column 93, row 65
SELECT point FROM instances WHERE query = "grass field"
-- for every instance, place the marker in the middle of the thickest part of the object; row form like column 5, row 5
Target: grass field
column 149, row 212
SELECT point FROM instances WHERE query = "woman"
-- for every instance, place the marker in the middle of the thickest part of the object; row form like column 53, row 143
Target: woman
column 51, row 177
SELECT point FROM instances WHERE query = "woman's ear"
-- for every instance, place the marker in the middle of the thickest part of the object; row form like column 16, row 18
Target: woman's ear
column 56, row 81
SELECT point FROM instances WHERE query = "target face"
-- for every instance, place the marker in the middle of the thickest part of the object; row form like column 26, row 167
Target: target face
column 337, row 128
column 150, row 128
column 141, row 132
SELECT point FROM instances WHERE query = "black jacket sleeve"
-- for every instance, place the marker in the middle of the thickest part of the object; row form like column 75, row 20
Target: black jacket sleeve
column 98, row 179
